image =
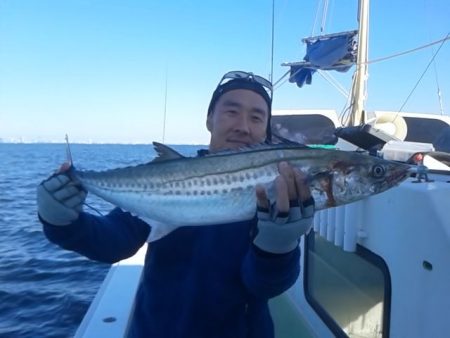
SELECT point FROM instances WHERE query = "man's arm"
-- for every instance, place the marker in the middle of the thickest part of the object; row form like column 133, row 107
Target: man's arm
column 108, row 239
column 272, row 264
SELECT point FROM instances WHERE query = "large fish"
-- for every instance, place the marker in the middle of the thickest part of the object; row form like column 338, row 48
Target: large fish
column 173, row 190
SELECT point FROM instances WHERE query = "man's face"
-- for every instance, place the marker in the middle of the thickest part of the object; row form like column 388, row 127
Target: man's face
column 239, row 119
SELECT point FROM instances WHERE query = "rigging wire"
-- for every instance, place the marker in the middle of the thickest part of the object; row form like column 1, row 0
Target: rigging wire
column 346, row 113
column 439, row 93
column 324, row 16
column 276, row 86
column 424, row 72
column 280, row 12
column 330, row 79
column 410, row 50
column 344, row 117
column 273, row 42
column 316, row 17
column 428, row 21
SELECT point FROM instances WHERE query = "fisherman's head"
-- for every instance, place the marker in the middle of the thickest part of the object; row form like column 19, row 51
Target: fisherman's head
column 239, row 112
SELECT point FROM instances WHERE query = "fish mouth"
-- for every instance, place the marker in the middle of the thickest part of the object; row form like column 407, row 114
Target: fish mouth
column 398, row 175
column 390, row 181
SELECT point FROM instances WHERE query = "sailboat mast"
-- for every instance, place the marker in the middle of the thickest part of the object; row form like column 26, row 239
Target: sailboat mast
column 357, row 116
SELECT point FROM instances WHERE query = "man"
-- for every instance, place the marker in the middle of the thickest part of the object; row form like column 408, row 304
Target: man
column 209, row 281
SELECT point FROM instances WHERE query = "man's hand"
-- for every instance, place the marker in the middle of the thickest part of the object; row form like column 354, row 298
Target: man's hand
column 281, row 224
column 59, row 199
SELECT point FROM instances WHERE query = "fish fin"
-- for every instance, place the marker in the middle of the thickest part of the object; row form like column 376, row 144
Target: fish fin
column 158, row 229
column 165, row 153
column 68, row 152
column 325, row 180
column 68, row 167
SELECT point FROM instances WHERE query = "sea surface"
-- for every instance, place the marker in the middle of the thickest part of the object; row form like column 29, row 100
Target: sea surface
column 44, row 290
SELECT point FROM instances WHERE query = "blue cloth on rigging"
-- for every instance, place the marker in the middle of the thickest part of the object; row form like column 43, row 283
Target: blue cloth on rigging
column 327, row 52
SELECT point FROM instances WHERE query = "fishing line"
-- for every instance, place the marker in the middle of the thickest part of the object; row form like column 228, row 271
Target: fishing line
column 93, row 208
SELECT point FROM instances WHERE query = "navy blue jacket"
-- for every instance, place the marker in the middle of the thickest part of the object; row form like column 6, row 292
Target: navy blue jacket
column 203, row 281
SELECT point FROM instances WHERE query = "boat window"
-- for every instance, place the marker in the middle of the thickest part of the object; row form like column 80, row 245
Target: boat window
column 423, row 129
column 349, row 290
column 305, row 128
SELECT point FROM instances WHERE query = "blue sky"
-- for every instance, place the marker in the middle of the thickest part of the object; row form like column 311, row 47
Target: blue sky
column 97, row 70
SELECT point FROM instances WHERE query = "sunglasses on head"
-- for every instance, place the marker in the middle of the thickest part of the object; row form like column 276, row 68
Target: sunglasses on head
column 237, row 74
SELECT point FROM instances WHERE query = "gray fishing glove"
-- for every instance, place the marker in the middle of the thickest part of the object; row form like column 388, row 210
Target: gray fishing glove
column 280, row 232
column 60, row 200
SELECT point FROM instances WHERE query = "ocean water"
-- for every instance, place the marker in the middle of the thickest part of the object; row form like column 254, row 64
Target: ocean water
column 44, row 290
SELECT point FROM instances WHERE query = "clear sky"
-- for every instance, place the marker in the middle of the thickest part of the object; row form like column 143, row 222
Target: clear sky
column 97, row 69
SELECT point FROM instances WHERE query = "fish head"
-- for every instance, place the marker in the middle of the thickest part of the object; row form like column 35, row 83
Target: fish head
column 364, row 177
column 384, row 175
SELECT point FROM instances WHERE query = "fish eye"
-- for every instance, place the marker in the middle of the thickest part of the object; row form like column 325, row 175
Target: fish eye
column 378, row 171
